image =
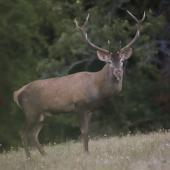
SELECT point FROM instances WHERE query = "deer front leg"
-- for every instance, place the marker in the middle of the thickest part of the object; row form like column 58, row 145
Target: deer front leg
column 84, row 119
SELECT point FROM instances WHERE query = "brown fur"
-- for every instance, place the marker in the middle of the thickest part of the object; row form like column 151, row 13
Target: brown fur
column 81, row 93
column 16, row 94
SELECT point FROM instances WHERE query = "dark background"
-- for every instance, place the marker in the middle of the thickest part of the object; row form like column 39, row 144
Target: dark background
column 39, row 39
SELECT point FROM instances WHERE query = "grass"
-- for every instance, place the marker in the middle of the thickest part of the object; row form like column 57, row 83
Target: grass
column 138, row 152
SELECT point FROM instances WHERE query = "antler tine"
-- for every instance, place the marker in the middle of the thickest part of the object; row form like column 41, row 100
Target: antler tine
column 82, row 29
column 135, row 17
column 86, row 38
column 137, row 32
column 120, row 44
column 86, row 21
column 109, row 47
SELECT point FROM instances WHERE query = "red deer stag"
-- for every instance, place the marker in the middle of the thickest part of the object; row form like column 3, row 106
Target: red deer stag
column 81, row 93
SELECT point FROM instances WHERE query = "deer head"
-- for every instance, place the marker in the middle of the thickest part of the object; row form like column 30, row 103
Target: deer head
column 114, row 61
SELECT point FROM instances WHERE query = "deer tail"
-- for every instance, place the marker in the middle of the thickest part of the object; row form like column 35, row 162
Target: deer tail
column 17, row 93
column 16, row 97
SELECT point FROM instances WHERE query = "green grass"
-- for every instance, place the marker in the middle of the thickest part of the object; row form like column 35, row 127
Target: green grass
column 139, row 152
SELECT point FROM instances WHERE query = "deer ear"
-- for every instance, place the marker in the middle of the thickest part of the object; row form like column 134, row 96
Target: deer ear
column 127, row 53
column 102, row 56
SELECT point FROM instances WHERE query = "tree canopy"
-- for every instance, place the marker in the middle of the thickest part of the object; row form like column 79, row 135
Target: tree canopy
column 39, row 39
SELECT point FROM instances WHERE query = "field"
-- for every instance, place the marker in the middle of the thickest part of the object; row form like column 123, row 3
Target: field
column 131, row 152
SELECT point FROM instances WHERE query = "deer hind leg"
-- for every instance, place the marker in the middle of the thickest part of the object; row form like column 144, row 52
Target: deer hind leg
column 33, row 135
column 84, row 120
column 24, row 136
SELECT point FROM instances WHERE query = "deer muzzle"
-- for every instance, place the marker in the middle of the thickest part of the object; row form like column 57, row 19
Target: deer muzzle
column 118, row 73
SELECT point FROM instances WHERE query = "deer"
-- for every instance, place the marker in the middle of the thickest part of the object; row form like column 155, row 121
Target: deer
column 80, row 93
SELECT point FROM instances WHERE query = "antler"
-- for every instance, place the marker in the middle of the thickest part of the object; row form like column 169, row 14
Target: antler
column 137, row 33
column 88, row 41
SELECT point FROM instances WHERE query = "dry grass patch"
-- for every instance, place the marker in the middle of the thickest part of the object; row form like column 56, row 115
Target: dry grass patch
column 142, row 152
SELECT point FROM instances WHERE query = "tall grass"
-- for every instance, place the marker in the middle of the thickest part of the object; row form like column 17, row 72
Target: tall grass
column 138, row 152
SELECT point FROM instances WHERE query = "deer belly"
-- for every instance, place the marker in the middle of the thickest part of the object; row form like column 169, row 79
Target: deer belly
column 59, row 107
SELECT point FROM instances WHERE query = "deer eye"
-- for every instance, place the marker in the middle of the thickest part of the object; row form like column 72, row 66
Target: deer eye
column 110, row 62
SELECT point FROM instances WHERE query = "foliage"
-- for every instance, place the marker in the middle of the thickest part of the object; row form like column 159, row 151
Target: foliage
column 38, row 39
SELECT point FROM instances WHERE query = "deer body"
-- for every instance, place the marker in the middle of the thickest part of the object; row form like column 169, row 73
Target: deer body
column 81, row 93
column 83, row 90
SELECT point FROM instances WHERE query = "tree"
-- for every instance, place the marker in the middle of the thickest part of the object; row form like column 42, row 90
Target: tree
column 39, row 39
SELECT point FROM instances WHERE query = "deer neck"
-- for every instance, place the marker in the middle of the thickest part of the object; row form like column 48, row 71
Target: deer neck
column 108, row 84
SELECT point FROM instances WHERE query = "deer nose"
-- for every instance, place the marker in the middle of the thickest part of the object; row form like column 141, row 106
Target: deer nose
column 118, row 72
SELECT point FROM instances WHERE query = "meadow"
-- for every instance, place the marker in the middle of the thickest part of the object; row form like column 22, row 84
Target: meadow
column 131, row 152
